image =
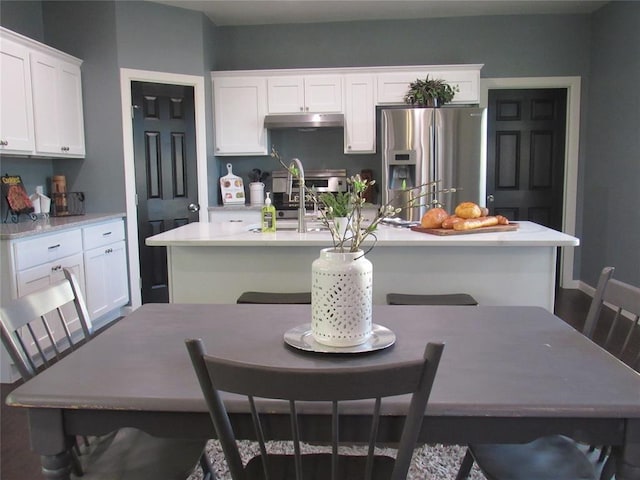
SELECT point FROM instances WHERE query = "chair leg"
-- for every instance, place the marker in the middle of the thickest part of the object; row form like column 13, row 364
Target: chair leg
column 207, row 467
column 604, row 452
column 609, row 469
column 465, row 467
column 76, row 465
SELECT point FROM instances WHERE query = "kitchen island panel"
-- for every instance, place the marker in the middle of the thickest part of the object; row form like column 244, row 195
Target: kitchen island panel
column 493, row 275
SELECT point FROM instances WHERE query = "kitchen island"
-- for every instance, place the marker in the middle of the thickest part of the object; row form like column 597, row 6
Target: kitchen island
column 215, row 262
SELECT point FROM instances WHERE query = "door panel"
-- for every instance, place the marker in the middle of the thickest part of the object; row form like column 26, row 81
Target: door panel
column 525, row 154
column 166, row 175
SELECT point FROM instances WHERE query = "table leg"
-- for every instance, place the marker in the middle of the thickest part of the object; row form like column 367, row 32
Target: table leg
column 56, row 467
column 49, row 439
column 628, row 456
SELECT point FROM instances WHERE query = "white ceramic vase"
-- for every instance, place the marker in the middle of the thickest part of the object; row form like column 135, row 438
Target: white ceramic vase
column 341, row 298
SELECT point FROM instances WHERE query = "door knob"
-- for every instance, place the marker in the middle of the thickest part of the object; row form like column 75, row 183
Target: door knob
column 490, row 198
column 194, row 207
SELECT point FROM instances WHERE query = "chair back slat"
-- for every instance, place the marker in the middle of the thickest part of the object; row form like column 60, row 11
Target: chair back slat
column 627, row 300
column 328, row 385
column 619, row 318
column 593, row 314
column 35, row 328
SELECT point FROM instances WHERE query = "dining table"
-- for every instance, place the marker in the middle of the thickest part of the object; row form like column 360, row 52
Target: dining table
column 508, row 374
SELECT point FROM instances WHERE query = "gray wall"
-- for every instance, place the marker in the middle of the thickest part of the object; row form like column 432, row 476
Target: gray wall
column 611, row 194
column 108, row 35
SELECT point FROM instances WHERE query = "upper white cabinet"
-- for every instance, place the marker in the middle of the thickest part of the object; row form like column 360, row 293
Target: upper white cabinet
column 41, row 99
column 57, row 106
column 16, row 108
column 239, row 106
column 243, row 98
column 309, row 93
column 392, row 86
column 359, row 114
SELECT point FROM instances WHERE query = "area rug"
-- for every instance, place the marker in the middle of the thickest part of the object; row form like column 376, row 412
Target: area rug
column 430, row 462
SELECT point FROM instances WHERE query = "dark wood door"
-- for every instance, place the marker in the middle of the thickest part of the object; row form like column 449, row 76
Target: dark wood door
column 525, row 154
column 166, row 176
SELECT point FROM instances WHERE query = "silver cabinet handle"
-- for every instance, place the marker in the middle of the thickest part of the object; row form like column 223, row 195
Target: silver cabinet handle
column 193, row 207
column 490, row 198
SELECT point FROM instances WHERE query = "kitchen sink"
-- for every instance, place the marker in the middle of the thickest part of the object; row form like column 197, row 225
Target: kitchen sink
column 293, row 227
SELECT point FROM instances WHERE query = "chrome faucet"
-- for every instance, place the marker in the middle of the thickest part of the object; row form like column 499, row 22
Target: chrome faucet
column 296, row 163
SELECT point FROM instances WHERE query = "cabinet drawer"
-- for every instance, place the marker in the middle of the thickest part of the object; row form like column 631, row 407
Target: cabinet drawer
column 102, row 234
column 47, row 248
column 40, row 276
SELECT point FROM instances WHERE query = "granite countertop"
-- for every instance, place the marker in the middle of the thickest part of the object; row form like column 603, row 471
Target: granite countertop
column 12, row 231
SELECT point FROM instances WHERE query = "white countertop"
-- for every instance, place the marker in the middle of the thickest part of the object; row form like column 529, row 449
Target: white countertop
column 44, row 225
column 239, row 235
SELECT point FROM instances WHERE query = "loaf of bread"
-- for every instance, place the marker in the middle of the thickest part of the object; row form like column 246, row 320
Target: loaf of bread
column 471, row 223
column 450, row 221
column 433, row 218
column 468, row 210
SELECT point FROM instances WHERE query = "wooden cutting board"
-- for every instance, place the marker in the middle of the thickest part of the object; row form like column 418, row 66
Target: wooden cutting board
column 449, row 231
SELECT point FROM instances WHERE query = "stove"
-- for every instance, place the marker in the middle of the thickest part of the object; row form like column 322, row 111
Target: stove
column 285, row 196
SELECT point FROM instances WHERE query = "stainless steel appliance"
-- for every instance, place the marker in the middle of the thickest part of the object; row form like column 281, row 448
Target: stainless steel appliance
column 286, row 190
column 421, row 145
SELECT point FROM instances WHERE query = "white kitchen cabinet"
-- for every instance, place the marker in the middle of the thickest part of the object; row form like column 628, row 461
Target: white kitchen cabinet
column 393, row 86
column 39, row 262
column 57, row 106
column 41, row 108
column 359, row 114
column 94, row 251
column 239, row 106
column 16, row 107
column 105, row 262
column 308, row 93
column 240, row 216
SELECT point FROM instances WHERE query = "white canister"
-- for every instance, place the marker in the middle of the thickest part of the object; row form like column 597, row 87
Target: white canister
column 256, row 193
column 341, row 298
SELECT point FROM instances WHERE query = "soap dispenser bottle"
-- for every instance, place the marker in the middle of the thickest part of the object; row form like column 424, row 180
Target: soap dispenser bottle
column 268, row 216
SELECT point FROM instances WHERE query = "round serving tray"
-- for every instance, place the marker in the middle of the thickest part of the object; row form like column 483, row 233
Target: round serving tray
column 300, row 337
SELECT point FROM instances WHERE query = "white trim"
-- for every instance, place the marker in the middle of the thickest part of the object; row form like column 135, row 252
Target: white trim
column 572, row 140
column 126, row 77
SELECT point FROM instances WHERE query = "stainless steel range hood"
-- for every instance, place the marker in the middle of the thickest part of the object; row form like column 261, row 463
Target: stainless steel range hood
column 304, row 120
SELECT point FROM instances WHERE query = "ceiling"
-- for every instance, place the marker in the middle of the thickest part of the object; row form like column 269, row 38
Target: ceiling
column 263, row 12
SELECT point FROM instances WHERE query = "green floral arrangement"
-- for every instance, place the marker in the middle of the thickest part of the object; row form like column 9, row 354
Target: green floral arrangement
column 424, row 92
column 353, row 201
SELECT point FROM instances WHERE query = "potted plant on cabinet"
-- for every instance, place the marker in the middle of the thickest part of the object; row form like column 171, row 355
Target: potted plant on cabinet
column 430, row 92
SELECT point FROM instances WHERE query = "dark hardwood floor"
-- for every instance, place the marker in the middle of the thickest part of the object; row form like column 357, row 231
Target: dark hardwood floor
column 17, row 462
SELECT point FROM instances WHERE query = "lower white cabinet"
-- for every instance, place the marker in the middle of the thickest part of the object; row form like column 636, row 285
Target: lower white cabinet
column 105, row 265
column 106, row 278
column 95, row 252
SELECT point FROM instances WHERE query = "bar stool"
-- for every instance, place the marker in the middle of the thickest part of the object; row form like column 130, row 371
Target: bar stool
column 442, row 299
column 278, row 298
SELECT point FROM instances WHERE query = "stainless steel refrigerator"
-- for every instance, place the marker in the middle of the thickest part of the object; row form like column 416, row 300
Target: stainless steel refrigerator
column 421, row 145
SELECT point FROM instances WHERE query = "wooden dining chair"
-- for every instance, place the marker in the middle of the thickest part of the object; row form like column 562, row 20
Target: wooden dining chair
column 300, row 390
column 556, row 457
column 38, row 330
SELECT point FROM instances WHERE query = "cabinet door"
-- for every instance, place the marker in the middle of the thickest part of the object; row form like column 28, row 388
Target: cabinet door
column 285, row 94
column 57, row 106
column 44, row 80
column 106, row 278
column 392, row 87
column 16, row 108
column 70, row 111
column 359, row 115
column 323, row 93
column 239, row 110
column 36, row 278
